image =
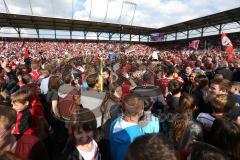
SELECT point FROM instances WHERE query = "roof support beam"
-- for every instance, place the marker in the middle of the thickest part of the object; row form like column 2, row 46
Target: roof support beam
column 220, row 29
column 85, row 34
column 110, row 35
column 35, row 26
column 37, row 30
column 120, row 36
column 215, row 27
column 54, row 25
column 98, row 35
column 202, row 31
column 183, row 33
column 11, row 24
column 19, row 32
column 71, row 28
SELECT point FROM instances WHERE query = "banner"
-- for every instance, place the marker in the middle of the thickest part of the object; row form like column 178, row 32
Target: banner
column 194, row 44
column 157, row 37
column 226, row 43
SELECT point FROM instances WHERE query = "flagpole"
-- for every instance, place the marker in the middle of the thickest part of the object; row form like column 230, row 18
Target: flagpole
column 101, row 74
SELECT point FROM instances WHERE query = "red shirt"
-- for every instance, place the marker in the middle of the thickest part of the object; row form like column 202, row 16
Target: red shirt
column 125, row 89
column 29, row 120
column 163, row 84
column 31, row 148
column 230, row 57
column 34, row 75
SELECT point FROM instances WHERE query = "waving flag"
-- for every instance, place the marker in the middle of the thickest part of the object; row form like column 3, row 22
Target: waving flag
column 26, row 53
column 194, row 44
column 227, row 43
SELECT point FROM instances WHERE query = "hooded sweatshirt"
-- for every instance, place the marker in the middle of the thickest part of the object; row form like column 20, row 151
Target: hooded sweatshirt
column 64, row 90
column 122, row 133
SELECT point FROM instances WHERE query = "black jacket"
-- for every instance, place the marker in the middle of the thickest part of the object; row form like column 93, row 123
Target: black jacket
column 69, row 152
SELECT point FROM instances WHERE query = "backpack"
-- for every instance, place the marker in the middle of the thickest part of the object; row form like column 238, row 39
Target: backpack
column 67, row 105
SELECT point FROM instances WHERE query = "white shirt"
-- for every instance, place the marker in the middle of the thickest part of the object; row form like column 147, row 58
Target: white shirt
column 90, row 155
column 121, row 124
column 44, row 85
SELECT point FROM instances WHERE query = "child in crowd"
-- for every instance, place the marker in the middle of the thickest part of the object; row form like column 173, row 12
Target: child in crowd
column 30, row 117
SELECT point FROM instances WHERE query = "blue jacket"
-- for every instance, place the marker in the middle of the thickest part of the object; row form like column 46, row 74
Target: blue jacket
column 120, row 139
column 151, row 124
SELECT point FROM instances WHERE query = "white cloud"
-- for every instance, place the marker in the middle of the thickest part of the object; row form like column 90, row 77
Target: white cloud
column 149, row 13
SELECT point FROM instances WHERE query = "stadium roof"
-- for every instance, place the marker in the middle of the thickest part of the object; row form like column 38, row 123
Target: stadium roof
column 229, row 16
column 25, row 21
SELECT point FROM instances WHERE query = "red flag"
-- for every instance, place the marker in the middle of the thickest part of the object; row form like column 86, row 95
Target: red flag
column 194, row 44
column 227, row 43
column 26, row 54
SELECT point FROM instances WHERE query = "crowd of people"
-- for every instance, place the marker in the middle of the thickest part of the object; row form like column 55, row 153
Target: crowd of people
column 115, row 101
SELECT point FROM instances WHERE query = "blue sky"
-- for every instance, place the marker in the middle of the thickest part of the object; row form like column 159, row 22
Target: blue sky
column 149, row 13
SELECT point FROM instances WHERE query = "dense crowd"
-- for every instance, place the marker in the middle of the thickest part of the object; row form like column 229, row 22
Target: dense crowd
column 59, row 102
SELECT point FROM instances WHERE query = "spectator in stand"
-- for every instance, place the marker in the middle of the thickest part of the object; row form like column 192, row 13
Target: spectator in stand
column 34, row 73
column 78, row 63
column 218, row 77
column 83, row 137
column 225, row 71
column 149, row 122
column 204, row 151
column 186, row 78
column 163, row 83
column 197, row 68
column 51, row 69
column 236, row 72
column 27, row 147
column 125, row 128
column 225, row 134
column 30, row 117
column 68, row 97
column 151, row 147
column 92, row 98
column 184, row 129
column 9, row 77
column 209, row 68
column 235, row 91
column 219, row 87
column 201, row 93
column 174, row 88
column 234, row 115
column 220, row 105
